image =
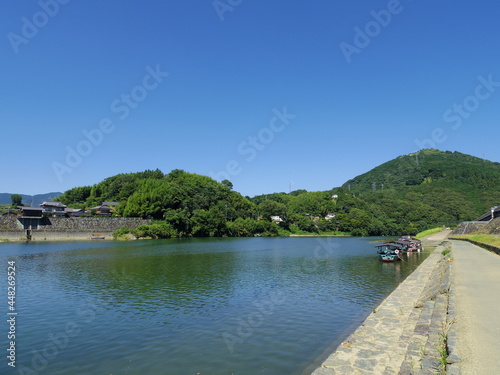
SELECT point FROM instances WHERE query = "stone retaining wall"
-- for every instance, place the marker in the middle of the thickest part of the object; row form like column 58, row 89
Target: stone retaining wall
column 101, row 224
column 69, row 235
column 10, row 222
column 12, row 235
column 68, row 228
column 478, row 227
column 404, row 333
column 53, row 235
column 470, row 227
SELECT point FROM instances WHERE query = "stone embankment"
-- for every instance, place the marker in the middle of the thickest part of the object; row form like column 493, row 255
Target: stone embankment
column 478, row 227
column 408, row 333
column 53, row 229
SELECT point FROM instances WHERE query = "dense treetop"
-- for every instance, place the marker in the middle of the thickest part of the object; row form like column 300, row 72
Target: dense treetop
column 403, row 196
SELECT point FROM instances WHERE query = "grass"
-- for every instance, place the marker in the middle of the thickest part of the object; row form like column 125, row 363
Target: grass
column 487, row 239
column 422, row 353
column 443, row 353
column 443, row 345
column 445, row 252
column 4, row 240
column 428, row 232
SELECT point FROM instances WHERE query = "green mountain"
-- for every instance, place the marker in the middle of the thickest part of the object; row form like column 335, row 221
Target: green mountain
column 454, row 185
column 406, row 195
column 430, row 168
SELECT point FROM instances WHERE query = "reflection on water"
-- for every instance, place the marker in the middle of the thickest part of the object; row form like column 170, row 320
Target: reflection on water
column 219, row 306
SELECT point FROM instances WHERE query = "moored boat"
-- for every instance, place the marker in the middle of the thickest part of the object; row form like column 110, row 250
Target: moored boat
column 389, row 256
column 410, row 243
column 389, row 251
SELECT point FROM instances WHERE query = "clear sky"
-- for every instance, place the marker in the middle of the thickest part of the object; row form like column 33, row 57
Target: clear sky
column 271, row 94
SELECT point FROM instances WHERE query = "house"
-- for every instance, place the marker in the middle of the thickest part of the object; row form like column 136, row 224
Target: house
column 110, row 204
column 492, row 214
column 276, row 219
column 102, row 210
column 54, row 209
column 105, row 209
column 73, row 212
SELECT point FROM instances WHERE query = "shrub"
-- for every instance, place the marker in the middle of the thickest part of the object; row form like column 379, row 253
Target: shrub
column 155, row 230
column 120, row 232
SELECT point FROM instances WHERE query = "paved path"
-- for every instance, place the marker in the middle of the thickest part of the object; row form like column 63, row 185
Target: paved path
column 476, row 279
column 439, row 236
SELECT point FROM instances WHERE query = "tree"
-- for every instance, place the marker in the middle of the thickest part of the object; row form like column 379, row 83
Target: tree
column 357, row 222
column 228, row 184
column 17, row 200
column 270, row 208
column 306, row 224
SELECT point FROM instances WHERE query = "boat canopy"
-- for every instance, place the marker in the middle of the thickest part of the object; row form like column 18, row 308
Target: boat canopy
column 389, row 244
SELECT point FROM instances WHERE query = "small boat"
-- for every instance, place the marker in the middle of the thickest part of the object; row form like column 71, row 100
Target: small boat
column 388, row 246
column 389, row 256
column 389, row 251
column 97, row 237
column 410, row 244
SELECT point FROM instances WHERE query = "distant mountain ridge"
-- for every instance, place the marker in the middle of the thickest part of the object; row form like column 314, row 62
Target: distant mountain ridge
column 29, row 200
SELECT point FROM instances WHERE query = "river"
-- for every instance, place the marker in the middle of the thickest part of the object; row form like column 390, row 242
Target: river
column 241, row 306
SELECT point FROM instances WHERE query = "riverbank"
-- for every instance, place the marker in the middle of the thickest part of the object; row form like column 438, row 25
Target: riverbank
column 407, row 332
column 42, row 236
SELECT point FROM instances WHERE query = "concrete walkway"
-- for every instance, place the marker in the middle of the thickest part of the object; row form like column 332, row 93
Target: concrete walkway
column 476, row 283
column 439, row 236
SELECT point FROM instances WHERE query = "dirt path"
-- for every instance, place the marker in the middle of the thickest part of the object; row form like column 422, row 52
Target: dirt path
column 476, row 279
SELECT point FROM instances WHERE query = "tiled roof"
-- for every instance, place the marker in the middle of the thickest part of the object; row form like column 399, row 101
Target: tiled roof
column 52, row 204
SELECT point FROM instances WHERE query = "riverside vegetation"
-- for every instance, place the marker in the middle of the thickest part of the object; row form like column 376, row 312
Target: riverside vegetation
column 409, row 194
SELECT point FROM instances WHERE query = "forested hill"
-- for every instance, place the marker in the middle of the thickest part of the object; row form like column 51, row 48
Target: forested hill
column 429, row 166
column 461, row 185
column 403, row 196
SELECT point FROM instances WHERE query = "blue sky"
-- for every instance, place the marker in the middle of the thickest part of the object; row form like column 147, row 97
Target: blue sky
column 272, row 94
